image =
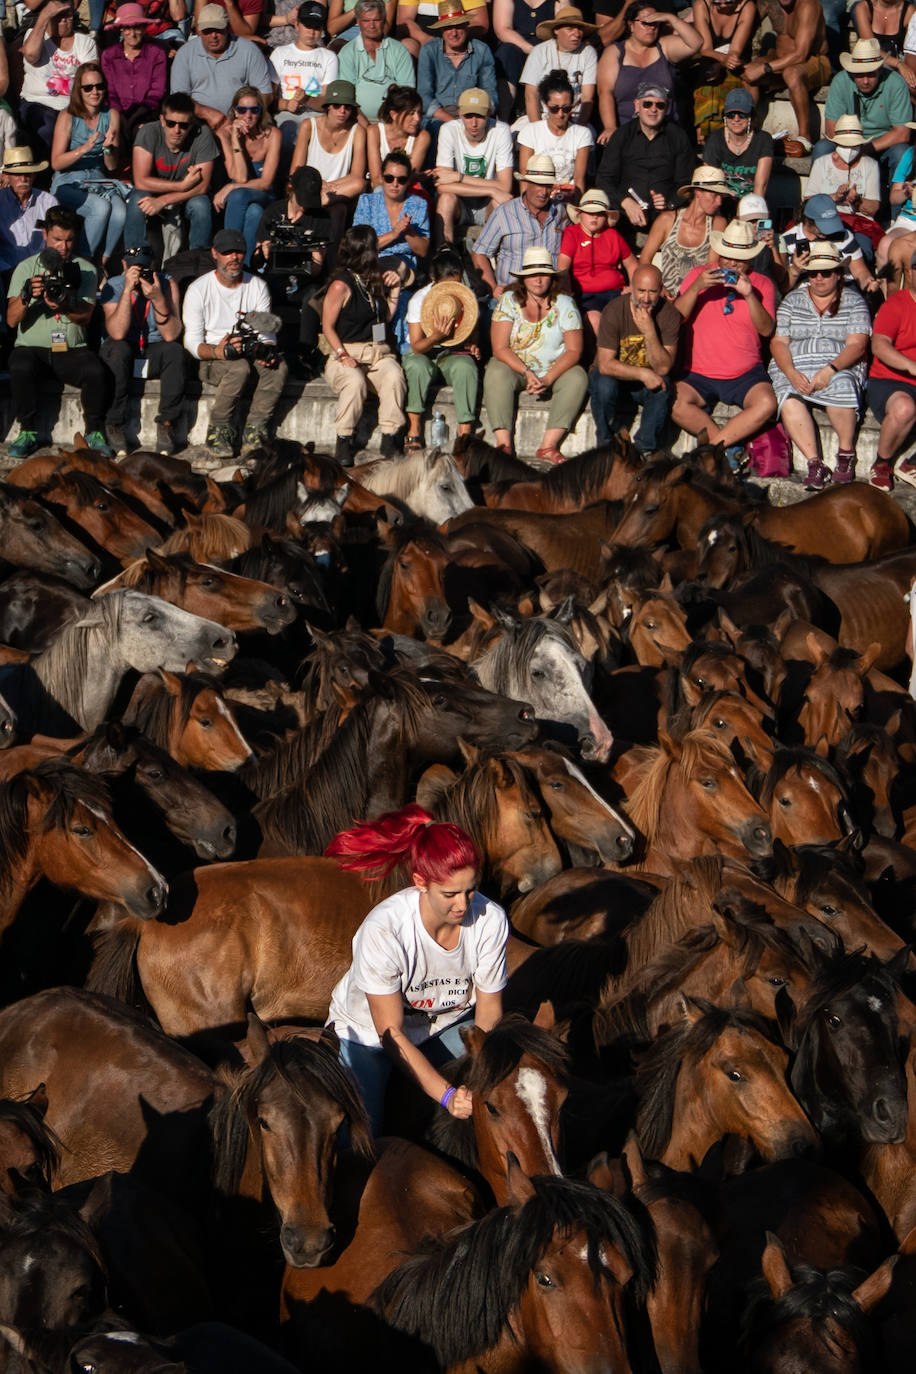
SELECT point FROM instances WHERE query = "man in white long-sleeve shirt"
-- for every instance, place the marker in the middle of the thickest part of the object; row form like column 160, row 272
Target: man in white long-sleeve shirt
column 213, row 306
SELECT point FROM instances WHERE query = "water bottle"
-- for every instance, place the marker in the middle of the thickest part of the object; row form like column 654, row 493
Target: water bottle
column 438, row 436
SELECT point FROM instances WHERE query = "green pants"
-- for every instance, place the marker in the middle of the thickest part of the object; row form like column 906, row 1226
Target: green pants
column 501, row 385
column 458, row 369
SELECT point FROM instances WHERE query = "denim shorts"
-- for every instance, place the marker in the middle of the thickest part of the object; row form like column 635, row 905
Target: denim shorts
column 731, row 391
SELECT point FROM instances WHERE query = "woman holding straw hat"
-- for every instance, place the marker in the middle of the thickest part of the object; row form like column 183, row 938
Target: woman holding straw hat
column 536, row 336
column 681, row 237
column 819, row 359
column 442, row 325
column 598, row 260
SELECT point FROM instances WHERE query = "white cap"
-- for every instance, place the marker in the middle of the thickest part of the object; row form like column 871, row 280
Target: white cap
column 753, row 207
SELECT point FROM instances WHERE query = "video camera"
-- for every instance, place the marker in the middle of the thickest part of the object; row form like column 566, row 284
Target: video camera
column 59, row 278
column 143, row 257
column 248, row 328
column 292, row 246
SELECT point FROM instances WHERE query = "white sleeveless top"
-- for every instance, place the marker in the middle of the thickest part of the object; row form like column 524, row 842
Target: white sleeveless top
column 329, row 166
column 384, row 147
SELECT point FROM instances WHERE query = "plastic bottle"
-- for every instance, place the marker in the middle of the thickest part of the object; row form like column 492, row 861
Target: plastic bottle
column 438, row 436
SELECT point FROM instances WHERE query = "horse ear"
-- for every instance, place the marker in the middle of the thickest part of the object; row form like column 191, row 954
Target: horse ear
column 155, row 562
column 38, row 1099
column 822, row 746
column 545, row 1017
column 526, row 606
column 433, row 786
column 606, row 1174
column 636, row 1165
column 480, row 614
column 79, row 441
column 775, row 1267
column 692, row 1009
column 93, row 616
column 257, row 1039
column 330, row 1039
column 817, row 654
column 318, row 637
column 503, row 618
column 867, row 660
column 666, row 585
column 599, row 605
column 782, row 623
column 469, row 752
column 728, row 626
column 520, row 1186
column 564, row 610
column 669, row 744
column 352, row 626
column 170, row 681
column 871, row 1290
column 690, row 691
column 472, row 1037
column 14, row 1337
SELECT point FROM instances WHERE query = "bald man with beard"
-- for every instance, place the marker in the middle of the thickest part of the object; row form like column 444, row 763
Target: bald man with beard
column 637, row 345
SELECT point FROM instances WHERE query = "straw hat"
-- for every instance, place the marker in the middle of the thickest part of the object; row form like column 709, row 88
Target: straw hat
column 597, row 202
column 540, row 169
column 567, row 17
column 452, row 15
column 21, row 159
column 707, row 179
column 866, row 56
column 536, row 263
column 736, row 240
column 457, row 302
column 848, row 132
column 823, row 253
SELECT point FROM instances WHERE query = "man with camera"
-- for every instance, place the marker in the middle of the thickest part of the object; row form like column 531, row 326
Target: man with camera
column 225, row 327
column 143, row 322
column 51, row 300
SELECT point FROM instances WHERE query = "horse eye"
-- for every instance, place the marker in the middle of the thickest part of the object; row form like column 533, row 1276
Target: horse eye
column 719, row 724
column 149, row 618
column 208, row 581
column 827, row 910
column 651, row 625
column 154, row 774
column 206, row 722
column 538, row 673
column 36, row 525
column 404, row 564
column 699, row 682
column 650, row 510
column 101, row 506
column 708, row 783
column 544, row 1281
column 785, row 801
column 734, row 1076
column 491, row 1109
column 83, row 831
column 440, row 701
column 264, row 1125
column 557, row 787
column 834, row 1022
column 88, row 1367
column 777, row 982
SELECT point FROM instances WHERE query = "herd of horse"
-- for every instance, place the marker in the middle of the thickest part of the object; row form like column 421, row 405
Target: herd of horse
column 673, row 718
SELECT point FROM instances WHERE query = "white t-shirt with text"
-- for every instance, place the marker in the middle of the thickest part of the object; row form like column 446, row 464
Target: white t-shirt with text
column 302, row 69
column 493, row 154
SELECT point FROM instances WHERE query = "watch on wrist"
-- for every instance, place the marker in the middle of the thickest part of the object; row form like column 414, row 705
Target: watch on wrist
column 767, row 69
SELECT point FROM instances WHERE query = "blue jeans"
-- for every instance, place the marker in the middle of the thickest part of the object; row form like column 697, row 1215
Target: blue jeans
column 243, row 212
column 604, row 392
column 103, row 217
column 197, row 210
column 371, row 1067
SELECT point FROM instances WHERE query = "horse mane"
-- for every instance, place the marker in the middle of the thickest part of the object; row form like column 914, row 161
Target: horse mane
column 141, row 577
column 38, row 1213
column 76, row 482
column 400, row 477
column 29, row 1120
column 269, row 502
column 482, row 459
column 784, row 760
column 507, row 658
column 150, row 706
column 63, row 667
column 411, row 528
column 686, row 717
column 68, row 786
column 659, row 1066
column 471, row 800
column 818, row 1296
column 305, row 1066
column 316, row 670
column 459, row 1294
column 698, row 748
column 673, row 912
column 583, row 477
column 210, row 538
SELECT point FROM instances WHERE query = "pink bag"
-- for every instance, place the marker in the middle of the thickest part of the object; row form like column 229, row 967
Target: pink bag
column 770, row 452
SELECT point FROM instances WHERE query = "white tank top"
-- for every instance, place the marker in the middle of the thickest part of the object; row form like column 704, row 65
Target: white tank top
column 329, row 166
column 384, row 147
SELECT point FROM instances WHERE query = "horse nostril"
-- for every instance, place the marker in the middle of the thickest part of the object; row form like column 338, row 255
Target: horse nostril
column 220, row 642
column 761, row 833
column 624, row 844
column 879, row 1110
column 229, row 834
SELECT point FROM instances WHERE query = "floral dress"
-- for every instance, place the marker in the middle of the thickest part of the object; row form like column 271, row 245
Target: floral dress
column 538, row 343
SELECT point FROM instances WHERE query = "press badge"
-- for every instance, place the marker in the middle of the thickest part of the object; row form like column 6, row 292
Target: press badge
column 378, row 333
column 58, row 341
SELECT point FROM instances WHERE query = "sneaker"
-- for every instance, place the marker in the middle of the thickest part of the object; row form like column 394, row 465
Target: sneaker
column 845, row 470
column 881, row 474
column 906, row 471
column 253, row 437
column 343, row 450
column 165, row 438
column 117, row 440
column 818, row 475
column 220, row 442
column 97, row 441
column 26, row 442
column 736, row 454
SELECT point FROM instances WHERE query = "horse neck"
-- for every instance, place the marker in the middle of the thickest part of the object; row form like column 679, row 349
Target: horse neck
column 87, row 692
column 692, row 1131
column 19, row 882
column 694, row 506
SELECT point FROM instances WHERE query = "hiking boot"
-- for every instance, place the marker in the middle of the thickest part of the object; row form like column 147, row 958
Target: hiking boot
column 117, row 440
column 882, row 474
column 97, row 441
column 26, row 442
column 165, row 438
column 220, row 442
column 254, row 437
column 906, row 471
column 818, row 475
column 390, row 446
column 845, row 470
column 343, row 450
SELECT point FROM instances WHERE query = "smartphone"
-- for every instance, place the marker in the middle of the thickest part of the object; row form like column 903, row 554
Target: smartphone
column 729, row 277
column 762, row 226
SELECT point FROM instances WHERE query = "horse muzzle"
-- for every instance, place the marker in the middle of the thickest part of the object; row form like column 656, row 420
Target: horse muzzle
column 757, row 839
column 217, row 843
column 886, row 1120
column 305, row 1247
column 435, row 618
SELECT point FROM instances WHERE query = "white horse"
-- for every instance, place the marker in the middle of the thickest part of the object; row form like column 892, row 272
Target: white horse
column 428, row 482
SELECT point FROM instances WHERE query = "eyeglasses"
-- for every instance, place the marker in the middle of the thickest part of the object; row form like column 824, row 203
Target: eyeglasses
column 560, row 109
column 399, row 181
column 94, row 86
column 821, row 271
column 248, row 109
column 175, row 123
column 736, row 114
column 654, row 104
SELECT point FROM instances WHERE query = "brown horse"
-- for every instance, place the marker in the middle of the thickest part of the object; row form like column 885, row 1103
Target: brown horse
column 29, row 1150
column 559, row 541
column 826, row 883
column 187, row 715
column 239, row 603
column 209, row 538
column 691, row 800
column 108, row 520
column 805, row 799
column 143, row 495
column 734, row 720
column 603, row 474
column 655, row 626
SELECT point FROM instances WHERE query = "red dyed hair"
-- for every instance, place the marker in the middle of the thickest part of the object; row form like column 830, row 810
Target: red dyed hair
column 431, row 849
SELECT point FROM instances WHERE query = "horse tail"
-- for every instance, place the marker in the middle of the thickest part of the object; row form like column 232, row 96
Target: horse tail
column 114, row 971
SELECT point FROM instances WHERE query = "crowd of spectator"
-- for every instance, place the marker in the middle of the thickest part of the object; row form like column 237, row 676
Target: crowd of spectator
column 501, row 197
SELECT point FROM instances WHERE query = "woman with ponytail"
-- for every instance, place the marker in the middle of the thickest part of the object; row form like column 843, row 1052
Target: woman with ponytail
column 425, row 960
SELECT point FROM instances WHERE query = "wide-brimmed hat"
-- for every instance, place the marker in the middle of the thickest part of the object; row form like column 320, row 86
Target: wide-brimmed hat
column 21, row 159
column 848, row 132
column 821, row 210
column 340, row 93
column 455, row 300
column 706, row 179
column 536, row 263
column 866, row 56
column 567, row 17
column 824, row 254
column 596, row 201
column 540, row 169
column 736, row 240
column 452, row 15
column 128, row 16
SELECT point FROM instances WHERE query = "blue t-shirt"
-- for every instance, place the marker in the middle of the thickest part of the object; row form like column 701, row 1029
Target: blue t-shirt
column 370, row 209
column 142, row 314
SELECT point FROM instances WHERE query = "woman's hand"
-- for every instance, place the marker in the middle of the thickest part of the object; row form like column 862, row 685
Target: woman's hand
column 391, row 279
column 111, row 138
column 822, row 379
column 92, row 140
column 534, row 384
column 222, row 195
column 461, row 1104
column 801, row 383
column 401, row 227
column 908, row 75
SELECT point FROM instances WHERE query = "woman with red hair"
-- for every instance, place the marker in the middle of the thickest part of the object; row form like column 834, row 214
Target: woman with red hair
column 424, row 960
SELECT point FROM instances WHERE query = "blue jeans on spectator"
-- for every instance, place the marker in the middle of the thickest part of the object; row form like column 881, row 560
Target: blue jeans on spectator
column 198, row 211
column 604, row 392
column 103, row 216
column 371, row 1067
column 243, row 212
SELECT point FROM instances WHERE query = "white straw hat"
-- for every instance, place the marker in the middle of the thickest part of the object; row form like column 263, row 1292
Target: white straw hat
column 736, row 240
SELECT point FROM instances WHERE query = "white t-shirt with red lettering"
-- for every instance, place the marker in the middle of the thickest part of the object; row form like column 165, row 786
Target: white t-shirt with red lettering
column 393, row 952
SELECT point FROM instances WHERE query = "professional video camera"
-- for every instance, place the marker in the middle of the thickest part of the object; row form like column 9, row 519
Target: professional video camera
column 248, row 328
column 292, row 246
column 143, row 257
column 59, row 278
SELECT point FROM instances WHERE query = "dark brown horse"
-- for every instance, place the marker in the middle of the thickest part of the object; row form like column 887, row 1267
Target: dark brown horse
column 602, row 474
column 32, row 537
column 106, row 518
column 805, row 798
column 239, row 603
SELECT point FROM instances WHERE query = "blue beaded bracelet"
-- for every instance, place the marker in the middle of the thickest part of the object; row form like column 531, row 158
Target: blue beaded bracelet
column 447, row 1096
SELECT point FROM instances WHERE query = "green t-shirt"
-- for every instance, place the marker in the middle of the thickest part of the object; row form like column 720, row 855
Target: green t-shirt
column 39, row 323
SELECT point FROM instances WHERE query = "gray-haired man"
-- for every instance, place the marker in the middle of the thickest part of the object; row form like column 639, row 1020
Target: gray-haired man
column 372, row 61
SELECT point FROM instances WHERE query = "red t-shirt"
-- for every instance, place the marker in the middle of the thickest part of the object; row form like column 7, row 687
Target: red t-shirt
column 719, row 345
column 596, row 262
column 896, row 320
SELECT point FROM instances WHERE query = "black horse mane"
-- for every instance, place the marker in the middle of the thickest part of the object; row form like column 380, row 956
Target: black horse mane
column 69, row 787
column 31, row 1123
column 659, row 1066
column 480, row 459
column 459, row 1295
column 582, row 477
column 842, row 974
column 306, row 1067
column 763, row 785
column 338, row 644
column 150, row 707
column 269, row 503
column 411, row 528
column 758, row 551
column 821, row 1298
column 84, row 486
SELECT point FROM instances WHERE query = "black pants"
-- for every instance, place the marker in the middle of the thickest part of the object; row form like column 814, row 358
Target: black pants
column 77, row 367
column 166, row 361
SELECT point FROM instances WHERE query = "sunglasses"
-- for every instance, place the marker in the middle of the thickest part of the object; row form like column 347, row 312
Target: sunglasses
column 209, row 31
column 822, row 271
column 175, row 123
column 390, row 176
column 93, row 86
column 736, row 114
column 728, row 304
column 654, row 104
column 248, row 109
column 560, row 109
column 340, row 105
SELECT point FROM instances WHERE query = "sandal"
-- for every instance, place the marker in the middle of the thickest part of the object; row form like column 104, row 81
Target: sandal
column 550, row 454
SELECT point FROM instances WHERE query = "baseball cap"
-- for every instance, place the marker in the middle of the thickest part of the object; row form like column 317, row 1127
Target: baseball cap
column 646, row 88
column 753, row 207
column 740, row 102
column 822, row 210
column 474, row 101
column 212, row 17
column 229, row 241
column 311, row 16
